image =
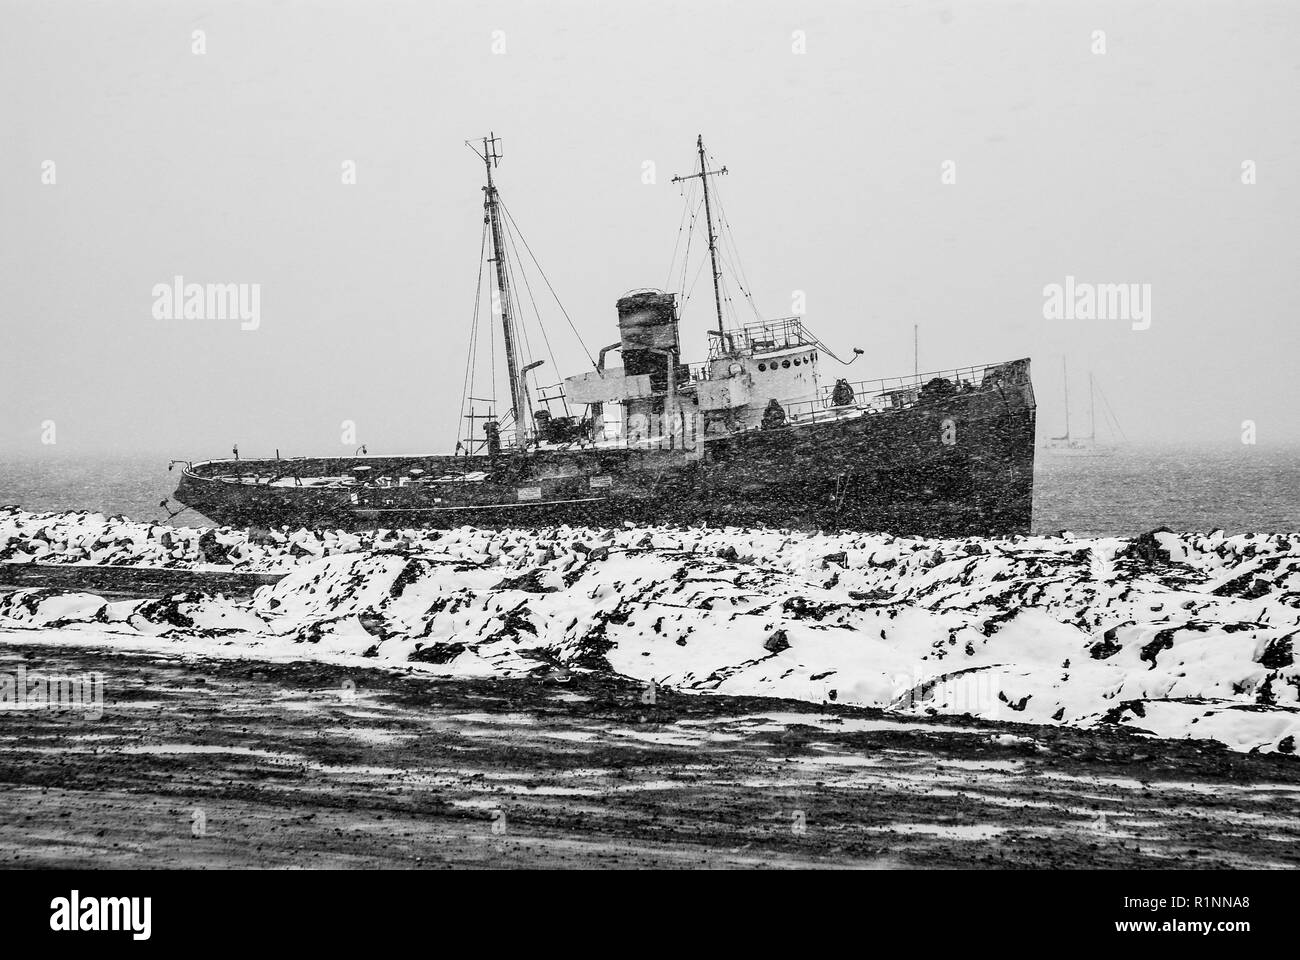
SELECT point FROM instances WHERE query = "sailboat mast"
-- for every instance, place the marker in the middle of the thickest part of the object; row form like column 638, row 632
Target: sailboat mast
column 1065, row 382
column 1092, row 410
column 493, row 217
column 708, row 219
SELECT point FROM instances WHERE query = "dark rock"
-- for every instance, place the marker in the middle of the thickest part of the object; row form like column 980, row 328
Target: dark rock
column 1108, row 645
column 213, row 550
column 1147, row 548
column 410, row 572
column 1164, row 640
column 1278, row 653
column 776, row 642
column 437, row 653
column 530, row 582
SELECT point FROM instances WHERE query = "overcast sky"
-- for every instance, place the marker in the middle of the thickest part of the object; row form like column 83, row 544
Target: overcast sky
column 226, row 167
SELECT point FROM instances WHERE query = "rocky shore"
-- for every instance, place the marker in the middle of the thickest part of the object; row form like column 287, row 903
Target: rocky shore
column 1176, row 635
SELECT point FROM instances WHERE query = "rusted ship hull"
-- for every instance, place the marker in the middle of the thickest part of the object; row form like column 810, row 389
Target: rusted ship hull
column 957, row 466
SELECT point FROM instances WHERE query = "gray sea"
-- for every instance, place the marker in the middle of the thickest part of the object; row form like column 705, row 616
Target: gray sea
column 1188, row 488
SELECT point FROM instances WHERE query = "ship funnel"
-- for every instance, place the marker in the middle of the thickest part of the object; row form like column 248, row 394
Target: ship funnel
column 647, row 328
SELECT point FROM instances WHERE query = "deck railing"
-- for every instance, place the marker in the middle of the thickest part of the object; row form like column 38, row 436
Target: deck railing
column 762, row 336
column 887, row 393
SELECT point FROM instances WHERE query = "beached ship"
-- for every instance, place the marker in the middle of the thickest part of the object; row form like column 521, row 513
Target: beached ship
column 760, row 432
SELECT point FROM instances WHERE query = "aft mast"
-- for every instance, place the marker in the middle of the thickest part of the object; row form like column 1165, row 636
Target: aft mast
column 704, row 175
column 491, row 157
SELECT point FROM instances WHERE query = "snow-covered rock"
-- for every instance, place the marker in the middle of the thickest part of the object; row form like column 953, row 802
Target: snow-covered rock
column 1180, row 635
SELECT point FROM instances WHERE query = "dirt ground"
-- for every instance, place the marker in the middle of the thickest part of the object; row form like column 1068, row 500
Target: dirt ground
column 229, row 763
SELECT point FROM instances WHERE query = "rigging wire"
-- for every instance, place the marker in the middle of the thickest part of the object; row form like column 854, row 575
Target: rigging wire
column 1114, row 419
column 510, row 236
column 731, row 269
column 520, row 330
column 688, row 194
column 724, row 292
column 515, row 226
column 729, row 237
column 492, row 358
column 738, row 269
column 467, row 387
column 694, row 283
column 686, row 206
column 690, row 235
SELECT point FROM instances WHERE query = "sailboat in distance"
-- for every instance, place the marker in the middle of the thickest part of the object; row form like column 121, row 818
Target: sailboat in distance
column 1086, row 446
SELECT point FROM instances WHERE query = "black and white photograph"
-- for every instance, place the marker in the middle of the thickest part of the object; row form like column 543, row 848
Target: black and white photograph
column 674, row 436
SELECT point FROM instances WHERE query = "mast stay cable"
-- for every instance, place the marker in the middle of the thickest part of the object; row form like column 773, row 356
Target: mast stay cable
column 510, row 217
column 510, row 237
column 467, row 386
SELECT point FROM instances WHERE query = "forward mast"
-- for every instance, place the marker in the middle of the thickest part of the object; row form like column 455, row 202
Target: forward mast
column 492, row 215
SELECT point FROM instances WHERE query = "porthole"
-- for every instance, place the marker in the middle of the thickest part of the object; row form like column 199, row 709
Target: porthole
column 762, row 367
column 786, row 364
column 796, row 361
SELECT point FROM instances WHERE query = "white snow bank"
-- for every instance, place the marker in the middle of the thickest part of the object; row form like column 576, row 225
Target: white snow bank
column 1180, row 635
